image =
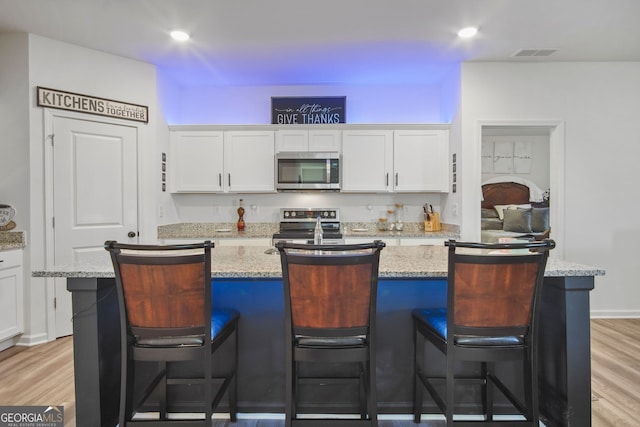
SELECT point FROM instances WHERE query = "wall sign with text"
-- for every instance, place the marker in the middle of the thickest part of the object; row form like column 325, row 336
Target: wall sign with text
column 308, row 110
column 90, row 104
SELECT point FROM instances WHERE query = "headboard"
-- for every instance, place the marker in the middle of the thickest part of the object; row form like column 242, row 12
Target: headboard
column 504, row 193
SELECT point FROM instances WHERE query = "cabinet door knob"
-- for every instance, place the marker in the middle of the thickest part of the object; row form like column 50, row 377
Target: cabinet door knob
column 131, row 234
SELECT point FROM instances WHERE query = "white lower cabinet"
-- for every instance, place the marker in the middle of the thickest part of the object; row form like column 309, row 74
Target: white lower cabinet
column 11, row 295
column 391, row 241
column 422, row 241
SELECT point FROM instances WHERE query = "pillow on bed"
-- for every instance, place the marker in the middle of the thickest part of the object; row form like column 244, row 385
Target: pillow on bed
column 539, row 219
column 517, row 220
column 488, row 213
column 491, row 224
column 501, row 208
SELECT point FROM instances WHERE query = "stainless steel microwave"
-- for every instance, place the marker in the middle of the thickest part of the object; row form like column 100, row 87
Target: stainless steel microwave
column 307, row 171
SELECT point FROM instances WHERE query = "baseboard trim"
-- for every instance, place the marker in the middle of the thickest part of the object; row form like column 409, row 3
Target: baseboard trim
column 614, row 314
column 31, row 340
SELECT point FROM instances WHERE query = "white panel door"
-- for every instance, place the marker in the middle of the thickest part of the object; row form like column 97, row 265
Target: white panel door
column 95, row 195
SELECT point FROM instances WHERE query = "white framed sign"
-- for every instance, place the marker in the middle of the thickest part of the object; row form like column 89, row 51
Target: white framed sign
column 92, row 105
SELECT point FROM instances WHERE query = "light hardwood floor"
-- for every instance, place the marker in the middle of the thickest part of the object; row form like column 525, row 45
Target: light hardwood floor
column 43, row 375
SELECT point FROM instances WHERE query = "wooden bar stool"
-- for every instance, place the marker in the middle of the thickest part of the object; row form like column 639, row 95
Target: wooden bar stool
column 166, row 316
column 492, row 298
column 330, row 294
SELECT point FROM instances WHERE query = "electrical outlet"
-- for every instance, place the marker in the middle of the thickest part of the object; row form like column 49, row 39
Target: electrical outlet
column 454, row 209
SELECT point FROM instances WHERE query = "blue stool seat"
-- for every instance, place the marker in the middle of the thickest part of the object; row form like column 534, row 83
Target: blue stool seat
column 220, row 318
column 436, row 319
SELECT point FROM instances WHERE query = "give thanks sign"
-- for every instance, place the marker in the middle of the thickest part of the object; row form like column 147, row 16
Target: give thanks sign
column 308, row 110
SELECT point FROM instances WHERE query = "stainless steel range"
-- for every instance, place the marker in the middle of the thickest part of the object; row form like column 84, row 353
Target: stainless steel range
column 297, row 225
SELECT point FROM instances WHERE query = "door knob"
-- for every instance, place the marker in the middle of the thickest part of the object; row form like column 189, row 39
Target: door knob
column 131, row 234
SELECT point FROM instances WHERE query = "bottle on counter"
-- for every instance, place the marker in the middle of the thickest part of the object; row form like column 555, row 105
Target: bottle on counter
column 399, row 216
column 317, row 233
column 241, row 217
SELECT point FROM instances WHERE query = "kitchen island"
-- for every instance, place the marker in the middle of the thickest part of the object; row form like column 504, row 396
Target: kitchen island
column 249, row 280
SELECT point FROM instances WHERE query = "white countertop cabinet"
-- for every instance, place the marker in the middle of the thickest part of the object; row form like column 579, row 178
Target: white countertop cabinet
column 11, row 296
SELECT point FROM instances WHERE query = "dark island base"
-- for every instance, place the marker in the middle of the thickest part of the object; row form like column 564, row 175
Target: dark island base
column 565, row 369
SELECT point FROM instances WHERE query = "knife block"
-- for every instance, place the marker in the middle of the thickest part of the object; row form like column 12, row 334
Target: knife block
column 433, row 223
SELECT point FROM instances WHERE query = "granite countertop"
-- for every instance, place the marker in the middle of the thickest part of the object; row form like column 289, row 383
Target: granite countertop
column 253, row 262
column 10, row 240
column 223, row 230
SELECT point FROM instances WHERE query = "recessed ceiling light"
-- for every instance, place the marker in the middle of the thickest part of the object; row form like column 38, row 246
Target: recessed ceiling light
column 467, row 32
column 180, row 36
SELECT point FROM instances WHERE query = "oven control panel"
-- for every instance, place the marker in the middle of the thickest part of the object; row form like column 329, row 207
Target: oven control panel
column 310, row 214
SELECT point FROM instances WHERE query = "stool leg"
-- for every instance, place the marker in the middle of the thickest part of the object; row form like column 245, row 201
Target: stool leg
column 450, row 391
column 233, row 385
column 372, row 392
column 418, row 362
column 363, row 390
column 162, row 389
column 487, row 369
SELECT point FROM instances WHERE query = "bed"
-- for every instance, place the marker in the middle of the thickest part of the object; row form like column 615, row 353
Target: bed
column 508, row 211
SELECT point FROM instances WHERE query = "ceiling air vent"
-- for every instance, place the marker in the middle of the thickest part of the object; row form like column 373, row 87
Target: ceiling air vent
column 534, row 52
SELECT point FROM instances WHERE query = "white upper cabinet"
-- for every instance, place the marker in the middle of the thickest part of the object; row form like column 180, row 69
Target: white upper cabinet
column 382, row 160
column 367, row 161
column 421, row 160
column 219, row 161
column 308, row 140
column 196, row 161
column 249, row 161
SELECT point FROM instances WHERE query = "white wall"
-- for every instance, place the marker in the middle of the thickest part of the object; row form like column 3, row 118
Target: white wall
column 539, row 144
column 252, row 104
column 14, row 138
column 68, row 67
column 598, row 106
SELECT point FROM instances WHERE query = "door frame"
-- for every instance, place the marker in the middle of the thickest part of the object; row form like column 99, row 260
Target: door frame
column 49, row 116
column 556, row 172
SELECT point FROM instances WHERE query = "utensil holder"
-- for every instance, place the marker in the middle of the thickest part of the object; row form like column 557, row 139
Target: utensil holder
column 433, row 223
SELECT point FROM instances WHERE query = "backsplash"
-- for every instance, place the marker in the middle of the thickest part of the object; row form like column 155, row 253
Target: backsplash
column 365, row 208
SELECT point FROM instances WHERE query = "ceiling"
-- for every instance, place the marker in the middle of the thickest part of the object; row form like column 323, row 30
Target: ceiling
column 341, row 42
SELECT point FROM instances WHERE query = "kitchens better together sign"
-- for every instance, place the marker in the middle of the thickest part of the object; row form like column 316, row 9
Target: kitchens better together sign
column 308, row 110
column 93, row 105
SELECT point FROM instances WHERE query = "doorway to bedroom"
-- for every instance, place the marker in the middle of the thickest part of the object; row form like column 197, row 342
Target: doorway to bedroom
column 531, row 154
